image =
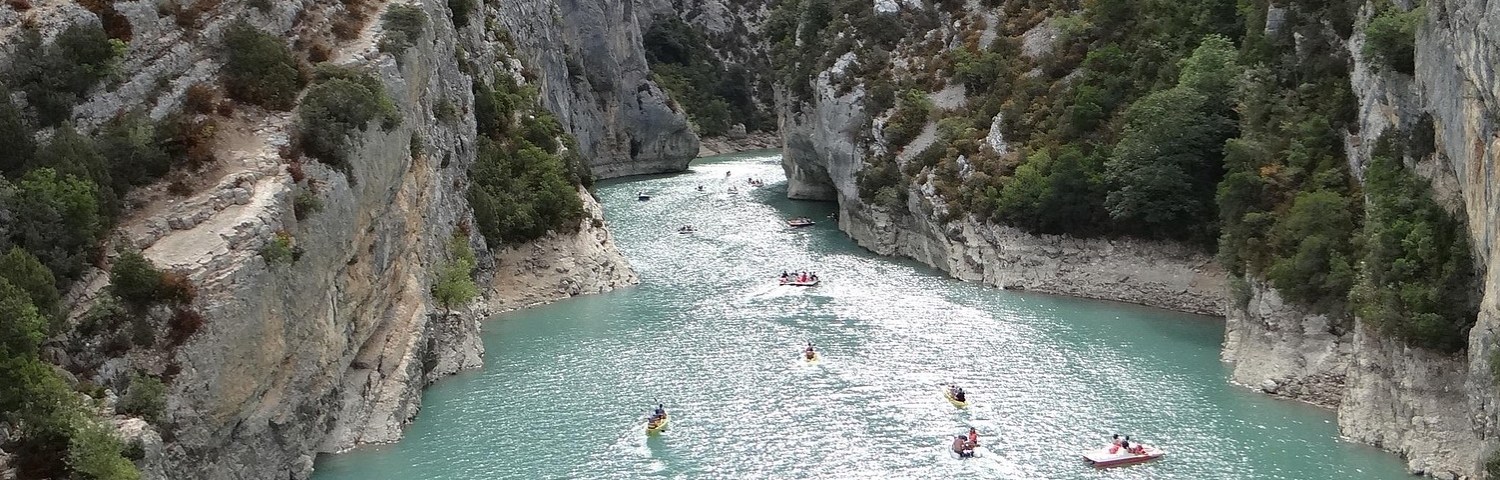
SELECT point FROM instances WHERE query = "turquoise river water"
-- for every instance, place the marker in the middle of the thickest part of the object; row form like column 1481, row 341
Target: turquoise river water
column 565, row 386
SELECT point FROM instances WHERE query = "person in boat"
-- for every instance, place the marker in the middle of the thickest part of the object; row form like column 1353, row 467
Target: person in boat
column 809, row 352
column 973, row 437
column 813, row 276
column 660, row 413
column 1115, row 440
column 962, row 447
column 1138, row 449
column 700, row 188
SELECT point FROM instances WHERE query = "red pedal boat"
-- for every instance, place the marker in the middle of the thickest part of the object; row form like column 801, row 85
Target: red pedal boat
column 1102, row 458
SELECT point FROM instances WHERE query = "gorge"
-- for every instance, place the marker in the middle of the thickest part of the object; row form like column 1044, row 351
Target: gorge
column 300, row 181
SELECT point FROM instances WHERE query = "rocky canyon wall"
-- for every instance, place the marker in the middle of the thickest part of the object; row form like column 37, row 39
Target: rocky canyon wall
column 1435, row 410
column 331, row 350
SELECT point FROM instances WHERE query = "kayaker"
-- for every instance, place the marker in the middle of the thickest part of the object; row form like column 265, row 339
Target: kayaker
column 809, row 351
column 958, row 393
column 660, row 412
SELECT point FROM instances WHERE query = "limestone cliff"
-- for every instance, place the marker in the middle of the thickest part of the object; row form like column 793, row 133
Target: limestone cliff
column 1435, row 410
column 331, row 350
column 827, row 139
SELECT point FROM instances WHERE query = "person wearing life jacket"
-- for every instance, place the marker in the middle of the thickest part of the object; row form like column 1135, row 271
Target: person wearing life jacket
column 958, row 393
column 973, row 437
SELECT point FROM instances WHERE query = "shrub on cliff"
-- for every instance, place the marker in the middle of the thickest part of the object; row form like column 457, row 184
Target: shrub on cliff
column 24, row 271
column 15, row 134
column 401, row 27
column 340, row 102
column 259, row 68
column 94, row 452
column 56, row 77
column 520, row 193
column 279, row 250
column 146, row 397
column 1418, row 282
column 455, row 282
column 1391, row 37
column 909, row 120
column 55, row 217
column 134, row 279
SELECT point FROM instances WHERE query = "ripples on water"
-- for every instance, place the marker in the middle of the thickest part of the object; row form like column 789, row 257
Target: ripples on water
column 565, row 386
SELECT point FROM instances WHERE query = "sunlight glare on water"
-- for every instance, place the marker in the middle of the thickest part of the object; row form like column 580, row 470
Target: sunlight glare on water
column 565, row 387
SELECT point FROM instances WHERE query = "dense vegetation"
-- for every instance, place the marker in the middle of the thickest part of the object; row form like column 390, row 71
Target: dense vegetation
column 715, row 96
column 1187, row 121
column 527, row 170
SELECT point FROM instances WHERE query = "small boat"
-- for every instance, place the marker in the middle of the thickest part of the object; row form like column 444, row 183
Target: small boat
column 967, row 450
column 798, row 283
column 687, row 229
column 658, row 425
column 800, row 222
column 948, row 394
column 643, row 196
column 1102, row 458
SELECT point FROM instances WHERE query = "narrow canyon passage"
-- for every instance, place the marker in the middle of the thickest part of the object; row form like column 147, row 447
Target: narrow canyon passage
column 565, row 386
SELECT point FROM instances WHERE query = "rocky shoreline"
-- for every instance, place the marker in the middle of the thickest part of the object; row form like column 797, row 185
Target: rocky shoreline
column 710, row 146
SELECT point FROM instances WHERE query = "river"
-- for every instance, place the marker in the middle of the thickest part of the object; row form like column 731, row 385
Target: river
column 565, row 386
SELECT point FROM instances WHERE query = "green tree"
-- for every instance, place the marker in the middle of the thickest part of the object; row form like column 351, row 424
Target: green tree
column 134, row 279
column 146, row 397
column 24, row 271
column 1213, row 70
column 455, row 282
column 340, row 102
column 22, row 328
column 15, row 135
column 1165, row 168
column 1391, row 37
column 259, row 68
column 1418, row 282
column 401, row 27
column 94, row 453
column 53, row 80
column 1316, row 266
column 129, row 143
column 57, row 219
column 72, row 153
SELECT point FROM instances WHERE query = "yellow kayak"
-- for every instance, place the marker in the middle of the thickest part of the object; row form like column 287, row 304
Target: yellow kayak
column 659, row 425
column 817, row 357
column 948, row 394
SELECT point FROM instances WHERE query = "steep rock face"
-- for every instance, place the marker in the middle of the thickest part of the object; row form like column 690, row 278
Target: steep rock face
column 560, row 266
column 1435, row 410
column 826, row 139
column 333, row 349
column 1284, row 350
column 588, row 59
